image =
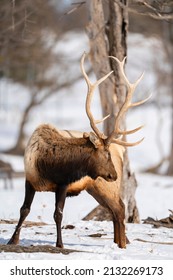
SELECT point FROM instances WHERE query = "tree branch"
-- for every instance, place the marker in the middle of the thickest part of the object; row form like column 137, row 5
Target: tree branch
column 150, row 10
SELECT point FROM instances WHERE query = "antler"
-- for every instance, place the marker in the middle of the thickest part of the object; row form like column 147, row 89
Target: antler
column 91, row 88
column 127, row 104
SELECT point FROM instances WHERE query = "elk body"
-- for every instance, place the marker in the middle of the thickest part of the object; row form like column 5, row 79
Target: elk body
column 69, row 162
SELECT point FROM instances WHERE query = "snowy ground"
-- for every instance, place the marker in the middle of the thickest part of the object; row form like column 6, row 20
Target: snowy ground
column 154, row 198
column 154, row 193
column 147, row 243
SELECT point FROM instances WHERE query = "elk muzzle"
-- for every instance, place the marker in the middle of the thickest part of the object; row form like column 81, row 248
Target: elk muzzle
column 110, row 176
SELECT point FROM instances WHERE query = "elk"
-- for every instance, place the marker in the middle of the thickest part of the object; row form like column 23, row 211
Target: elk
column 67, row 162
column 108, row 194
column 6, row 171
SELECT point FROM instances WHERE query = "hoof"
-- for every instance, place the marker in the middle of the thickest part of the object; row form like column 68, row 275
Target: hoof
column 13, row 242
column 127, row 240
column 60, row 246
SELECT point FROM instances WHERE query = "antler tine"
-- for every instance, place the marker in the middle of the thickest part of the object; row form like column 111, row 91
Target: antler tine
column 127, row 104
column 141, row 102
column 91, row 88
column 127, row 144
column 102, row 120
column 130, row 131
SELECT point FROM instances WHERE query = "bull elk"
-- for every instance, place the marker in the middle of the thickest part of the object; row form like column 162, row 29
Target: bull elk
column 67, row 162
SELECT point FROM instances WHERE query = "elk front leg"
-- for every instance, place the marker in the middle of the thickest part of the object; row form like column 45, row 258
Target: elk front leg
column 24, row 211
column 119, row 225
column 60, row 196
column 119, row 233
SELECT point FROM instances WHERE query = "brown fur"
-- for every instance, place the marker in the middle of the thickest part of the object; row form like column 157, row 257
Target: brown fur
column 49, row 151
column 86, row 182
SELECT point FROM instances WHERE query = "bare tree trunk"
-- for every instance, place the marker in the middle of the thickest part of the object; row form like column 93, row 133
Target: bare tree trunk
column 108, row 37
column 99, row 58
column 18, row 149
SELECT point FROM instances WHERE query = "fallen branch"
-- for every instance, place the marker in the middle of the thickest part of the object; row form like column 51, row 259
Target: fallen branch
column 166, row 222
column 97, row 234
column 37, row 249
column 25, row 224
column 155, row 242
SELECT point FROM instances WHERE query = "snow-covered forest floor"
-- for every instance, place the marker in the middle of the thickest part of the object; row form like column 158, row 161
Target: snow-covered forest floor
column 95, row 239
column 66, row 111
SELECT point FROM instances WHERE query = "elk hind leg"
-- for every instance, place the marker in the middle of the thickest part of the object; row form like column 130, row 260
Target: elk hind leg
column 24, row 211
column 60, row 197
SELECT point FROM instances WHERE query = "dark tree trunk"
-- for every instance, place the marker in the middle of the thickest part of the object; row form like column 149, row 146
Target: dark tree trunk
column 107, row 32
column 18, row 149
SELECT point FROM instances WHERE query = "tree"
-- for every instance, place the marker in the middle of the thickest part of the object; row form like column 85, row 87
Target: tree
column 24, row 53
column 107, row 32
column 162, row 12
column 27, row 56
column 169, row 34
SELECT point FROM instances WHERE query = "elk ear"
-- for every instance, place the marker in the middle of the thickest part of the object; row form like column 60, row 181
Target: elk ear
column 95, row 140
column 86, row 135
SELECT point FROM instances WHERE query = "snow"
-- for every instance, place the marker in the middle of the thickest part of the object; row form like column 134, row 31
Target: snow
column 154, row 192
column 95, row 247
column 153, row 198
column 154, row 195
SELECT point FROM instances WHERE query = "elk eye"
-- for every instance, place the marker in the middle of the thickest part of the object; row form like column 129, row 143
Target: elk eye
column 109, row 176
